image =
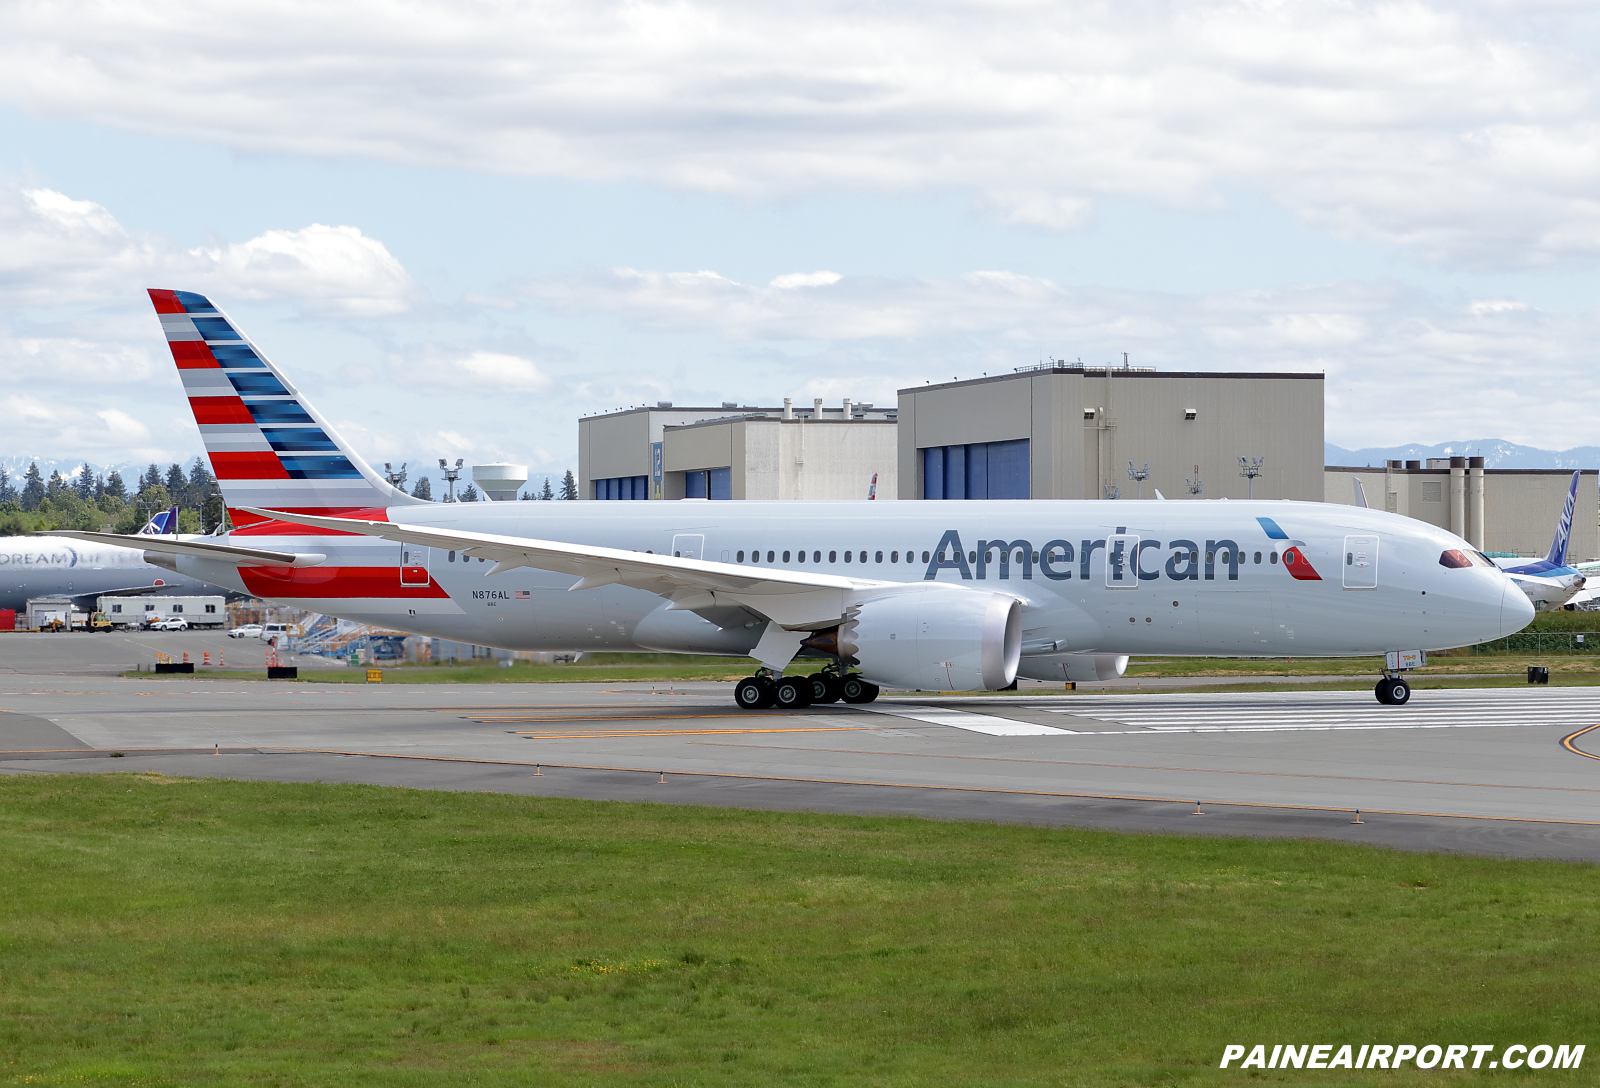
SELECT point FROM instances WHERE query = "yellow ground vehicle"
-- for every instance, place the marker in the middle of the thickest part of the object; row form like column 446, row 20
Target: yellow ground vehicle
column 99, row 621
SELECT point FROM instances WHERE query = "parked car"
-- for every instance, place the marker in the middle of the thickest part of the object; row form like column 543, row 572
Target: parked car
column 273, row 630
column 246, row 630
column 171, row 623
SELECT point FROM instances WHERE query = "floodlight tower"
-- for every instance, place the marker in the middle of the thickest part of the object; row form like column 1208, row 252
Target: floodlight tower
column 1112, row 491
column 1196, row 485
column 397, row 479
column 1139, row 474
column 1250, row 468
column 451, row 475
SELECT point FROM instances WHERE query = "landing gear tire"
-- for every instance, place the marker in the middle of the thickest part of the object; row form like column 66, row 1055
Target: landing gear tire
column 825, row 688
column 792, row 692
column 857, row 690
column 1393, row 692
column 752, row 693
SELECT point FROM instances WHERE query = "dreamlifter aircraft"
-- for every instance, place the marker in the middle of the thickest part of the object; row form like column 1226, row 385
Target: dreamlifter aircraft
column 947, row 596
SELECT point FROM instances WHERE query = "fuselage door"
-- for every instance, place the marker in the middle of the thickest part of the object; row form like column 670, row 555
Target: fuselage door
column 689, row 546
column 1122, row 557
column 1361, row 562
column 413, row 565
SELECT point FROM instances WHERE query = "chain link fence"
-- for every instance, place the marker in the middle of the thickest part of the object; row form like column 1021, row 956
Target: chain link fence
column 1568, row 643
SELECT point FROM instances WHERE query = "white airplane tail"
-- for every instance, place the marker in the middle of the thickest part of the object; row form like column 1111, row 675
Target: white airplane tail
column 268, row 446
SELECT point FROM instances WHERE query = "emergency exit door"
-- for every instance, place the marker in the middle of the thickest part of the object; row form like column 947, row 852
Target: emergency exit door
column 689, row 546
column 413, row 565
column 1361, row 562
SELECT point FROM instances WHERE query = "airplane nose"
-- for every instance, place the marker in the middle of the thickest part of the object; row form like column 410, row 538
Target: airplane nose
column 1516, row 611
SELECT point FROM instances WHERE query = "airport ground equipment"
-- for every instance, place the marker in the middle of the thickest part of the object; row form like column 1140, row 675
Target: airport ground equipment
column 200, row 611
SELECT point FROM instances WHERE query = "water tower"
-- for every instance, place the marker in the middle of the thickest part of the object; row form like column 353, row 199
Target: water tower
column 500, row 482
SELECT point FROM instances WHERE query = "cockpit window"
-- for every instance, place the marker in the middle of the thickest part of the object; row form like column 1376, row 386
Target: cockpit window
column 1454, row 558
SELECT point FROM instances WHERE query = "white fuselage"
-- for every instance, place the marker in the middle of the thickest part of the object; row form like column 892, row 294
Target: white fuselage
column 1211, row 576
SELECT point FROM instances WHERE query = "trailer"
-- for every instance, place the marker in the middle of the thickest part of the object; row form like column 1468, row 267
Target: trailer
column 201, row 612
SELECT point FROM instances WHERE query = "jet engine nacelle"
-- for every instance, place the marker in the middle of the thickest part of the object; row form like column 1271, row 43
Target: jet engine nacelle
column 945, row 638
column 1079, row 668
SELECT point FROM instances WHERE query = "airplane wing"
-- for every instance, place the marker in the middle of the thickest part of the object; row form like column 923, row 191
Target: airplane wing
column 791, row 599
column 226, row 553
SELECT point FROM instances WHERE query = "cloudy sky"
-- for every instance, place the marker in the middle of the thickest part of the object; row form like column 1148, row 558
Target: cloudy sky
column 460, row 226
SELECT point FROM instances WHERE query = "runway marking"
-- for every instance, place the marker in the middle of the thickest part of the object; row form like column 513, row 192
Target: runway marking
column 977, row 723
column 507, row 719
column 1148, row 767
column 926, row 786
column 1567, row 742
column 602, row 734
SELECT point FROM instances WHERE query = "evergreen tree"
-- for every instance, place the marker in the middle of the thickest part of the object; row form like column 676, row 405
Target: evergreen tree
column 7, row 491
column 212, row 511
column 99, row 487
column 177, row 483
column 470, row 494
column 151, row 478
column 115, row 487
column 201, row 484
column 423, row 490
column 32, row 487
column 56, row 487
column 83, row 484
column 569, row 486
column 547, row 492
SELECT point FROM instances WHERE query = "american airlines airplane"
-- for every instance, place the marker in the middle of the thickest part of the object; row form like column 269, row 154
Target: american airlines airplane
column 942, row 596
column 47, row 566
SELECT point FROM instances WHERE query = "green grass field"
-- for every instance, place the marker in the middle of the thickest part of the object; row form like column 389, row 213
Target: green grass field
column 159, row 931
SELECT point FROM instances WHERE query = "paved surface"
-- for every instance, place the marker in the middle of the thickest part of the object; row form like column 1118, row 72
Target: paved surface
column 106, row 653
column 1481, row 771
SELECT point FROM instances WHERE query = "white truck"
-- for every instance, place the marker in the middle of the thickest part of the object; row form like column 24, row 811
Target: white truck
column 201, row 612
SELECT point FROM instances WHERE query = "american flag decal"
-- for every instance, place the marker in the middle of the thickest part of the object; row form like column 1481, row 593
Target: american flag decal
column 522, row 594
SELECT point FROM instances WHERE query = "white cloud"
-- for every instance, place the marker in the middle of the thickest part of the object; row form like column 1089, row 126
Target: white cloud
column 806, row 279
column 493, row 372
column 55, row 250
column 1400, row 365
column 1465, row 132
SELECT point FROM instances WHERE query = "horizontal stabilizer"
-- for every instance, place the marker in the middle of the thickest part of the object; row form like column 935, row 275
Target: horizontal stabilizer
column 223, row 553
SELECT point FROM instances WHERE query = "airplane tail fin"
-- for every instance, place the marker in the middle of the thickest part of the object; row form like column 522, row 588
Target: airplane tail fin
column 269, row 447
column 164, row 523
column 1558, row 546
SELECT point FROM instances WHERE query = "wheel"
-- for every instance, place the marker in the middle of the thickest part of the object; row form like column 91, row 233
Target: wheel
column 751, row 694
column 1395, row 692
column 857, row 690
column 792, row 692
column 825, row 688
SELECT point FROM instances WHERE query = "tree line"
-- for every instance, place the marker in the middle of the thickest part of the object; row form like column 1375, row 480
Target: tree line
column 93, row 501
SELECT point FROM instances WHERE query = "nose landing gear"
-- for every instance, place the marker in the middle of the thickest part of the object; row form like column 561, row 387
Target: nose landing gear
column 1393, row 691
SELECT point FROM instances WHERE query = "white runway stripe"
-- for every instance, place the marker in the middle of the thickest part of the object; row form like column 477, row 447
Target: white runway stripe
column 977, row 723
column 1353, row 710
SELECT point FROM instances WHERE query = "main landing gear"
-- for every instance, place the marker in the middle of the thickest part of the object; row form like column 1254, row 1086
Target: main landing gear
column 767, row 689
column 1393, row 691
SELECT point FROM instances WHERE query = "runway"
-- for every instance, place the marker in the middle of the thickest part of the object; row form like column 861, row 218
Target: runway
column 1481, row 771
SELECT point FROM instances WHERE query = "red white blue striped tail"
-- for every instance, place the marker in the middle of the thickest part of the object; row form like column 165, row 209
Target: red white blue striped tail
column 268, row 446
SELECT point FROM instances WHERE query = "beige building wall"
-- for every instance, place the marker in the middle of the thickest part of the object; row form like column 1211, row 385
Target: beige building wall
column 785, row 458
column 1519, row 509
column 1084, row 424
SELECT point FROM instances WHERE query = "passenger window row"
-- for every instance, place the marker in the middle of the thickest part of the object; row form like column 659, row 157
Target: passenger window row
column 833, row 556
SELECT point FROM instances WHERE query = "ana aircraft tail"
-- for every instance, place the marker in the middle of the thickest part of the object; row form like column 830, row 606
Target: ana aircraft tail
column 165, row 523
column 1558, row 546
column 268, row 446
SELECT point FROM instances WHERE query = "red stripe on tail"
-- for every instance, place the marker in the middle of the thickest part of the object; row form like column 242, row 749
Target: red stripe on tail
column 192, row 355
column 166, row 302
column 220, row 410
column 248, row 466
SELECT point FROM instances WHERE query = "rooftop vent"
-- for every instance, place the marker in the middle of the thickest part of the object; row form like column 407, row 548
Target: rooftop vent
column 663, row 404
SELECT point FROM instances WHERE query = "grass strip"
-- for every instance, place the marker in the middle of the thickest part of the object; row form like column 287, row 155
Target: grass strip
column 161, row 931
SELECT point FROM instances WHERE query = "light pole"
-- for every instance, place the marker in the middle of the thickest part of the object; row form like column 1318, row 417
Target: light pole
column 396, row 479
column 1139, row 474
column 1113, row 491
column 1250, row 468
column 451, row 475
column 1196, row 485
